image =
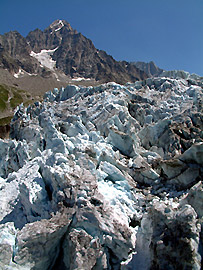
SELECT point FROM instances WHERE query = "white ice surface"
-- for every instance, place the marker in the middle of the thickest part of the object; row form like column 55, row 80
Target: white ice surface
column 44, row 57
column 120, row 198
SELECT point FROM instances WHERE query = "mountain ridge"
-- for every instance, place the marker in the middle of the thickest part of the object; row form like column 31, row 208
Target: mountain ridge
column 75, row 55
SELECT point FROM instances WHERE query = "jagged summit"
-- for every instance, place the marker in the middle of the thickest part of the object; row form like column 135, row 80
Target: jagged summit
column 58, row 24
column 51, row 37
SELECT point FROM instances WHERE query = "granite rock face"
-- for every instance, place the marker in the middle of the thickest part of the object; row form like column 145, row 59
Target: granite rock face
column 106, row 177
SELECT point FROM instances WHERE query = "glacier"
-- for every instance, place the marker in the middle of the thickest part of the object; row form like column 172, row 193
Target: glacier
column 105, row 177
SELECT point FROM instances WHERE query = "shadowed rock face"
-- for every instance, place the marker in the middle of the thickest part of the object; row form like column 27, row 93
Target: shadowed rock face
column 105, row 177
column 15, row 53
column 73, row 54
column 149, row 68
column 4, row 131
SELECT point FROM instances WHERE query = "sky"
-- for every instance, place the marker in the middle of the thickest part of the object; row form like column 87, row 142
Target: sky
column 168, row 32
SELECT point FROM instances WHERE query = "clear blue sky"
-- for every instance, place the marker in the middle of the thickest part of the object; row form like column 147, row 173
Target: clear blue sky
column 169, row 32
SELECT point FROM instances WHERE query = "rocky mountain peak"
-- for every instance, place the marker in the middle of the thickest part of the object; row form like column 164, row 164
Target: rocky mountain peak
column 76, row 56
column 61, row 49
column 59, row 24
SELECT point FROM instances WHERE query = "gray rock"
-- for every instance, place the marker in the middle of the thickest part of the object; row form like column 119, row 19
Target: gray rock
column 39, row 243
column 194, row 198
column 194, row 154
column 174, row 242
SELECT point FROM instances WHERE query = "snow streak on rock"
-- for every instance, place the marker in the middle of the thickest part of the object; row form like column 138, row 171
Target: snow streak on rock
column 44, row 57
column 105, row 177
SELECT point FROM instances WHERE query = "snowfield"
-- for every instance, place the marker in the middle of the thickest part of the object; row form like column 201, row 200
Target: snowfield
column 45, row 59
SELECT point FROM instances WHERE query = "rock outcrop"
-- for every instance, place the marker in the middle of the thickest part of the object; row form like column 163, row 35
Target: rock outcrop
column 106, row 177
column 149, row 68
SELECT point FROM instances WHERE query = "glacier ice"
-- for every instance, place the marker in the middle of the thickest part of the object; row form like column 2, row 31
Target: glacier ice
column 104, row 177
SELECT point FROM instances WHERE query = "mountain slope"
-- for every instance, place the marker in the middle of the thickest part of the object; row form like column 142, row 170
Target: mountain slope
column 61, row 49
column 76, row 55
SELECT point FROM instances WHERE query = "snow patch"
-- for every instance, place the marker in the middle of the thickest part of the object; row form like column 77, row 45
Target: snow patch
column 62, row 25
column 22, row 72
column 57, row 77
column 44, row 57
column 81, row 79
